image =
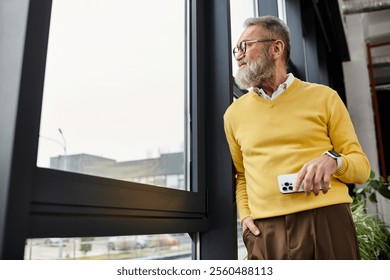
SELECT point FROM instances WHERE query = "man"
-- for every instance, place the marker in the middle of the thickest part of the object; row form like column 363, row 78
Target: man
column 281, row 126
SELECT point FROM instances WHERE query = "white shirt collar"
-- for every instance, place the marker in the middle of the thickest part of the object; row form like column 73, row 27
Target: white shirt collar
column 281, row 88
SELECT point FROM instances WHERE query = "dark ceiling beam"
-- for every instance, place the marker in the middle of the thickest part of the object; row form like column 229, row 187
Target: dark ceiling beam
column 350, row 7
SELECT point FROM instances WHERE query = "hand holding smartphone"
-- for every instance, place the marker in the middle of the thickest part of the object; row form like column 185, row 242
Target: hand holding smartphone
column 287, row 181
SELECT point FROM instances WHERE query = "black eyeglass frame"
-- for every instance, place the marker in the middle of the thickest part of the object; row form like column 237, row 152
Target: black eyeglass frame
column 242, row 48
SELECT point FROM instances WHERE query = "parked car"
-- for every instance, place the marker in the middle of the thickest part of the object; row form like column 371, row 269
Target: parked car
column 126, row 242
column 162, row 240
column 142, row 241
column 56, row 241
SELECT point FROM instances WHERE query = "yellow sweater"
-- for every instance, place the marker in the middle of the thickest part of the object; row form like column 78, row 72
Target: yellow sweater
column 272, row 137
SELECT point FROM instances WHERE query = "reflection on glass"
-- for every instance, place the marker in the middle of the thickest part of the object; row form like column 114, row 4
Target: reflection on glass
column 114, row 90
column 140, row 247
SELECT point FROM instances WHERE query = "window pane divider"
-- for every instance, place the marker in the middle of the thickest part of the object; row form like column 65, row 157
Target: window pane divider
column 73, row 189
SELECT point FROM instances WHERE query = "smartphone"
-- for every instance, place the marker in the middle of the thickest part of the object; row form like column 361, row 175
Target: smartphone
column 287, row 181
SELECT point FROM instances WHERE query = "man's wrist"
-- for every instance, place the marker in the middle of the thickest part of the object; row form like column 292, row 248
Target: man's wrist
column 335, row 155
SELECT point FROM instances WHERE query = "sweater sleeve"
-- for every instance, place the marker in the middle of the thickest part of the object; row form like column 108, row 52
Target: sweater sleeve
column 235, row 151
column 355, row 166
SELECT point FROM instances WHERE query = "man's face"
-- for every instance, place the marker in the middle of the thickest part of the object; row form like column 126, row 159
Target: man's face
column 256, row 66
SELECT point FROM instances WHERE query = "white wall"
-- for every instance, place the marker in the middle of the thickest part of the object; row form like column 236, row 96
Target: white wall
column 359, row 27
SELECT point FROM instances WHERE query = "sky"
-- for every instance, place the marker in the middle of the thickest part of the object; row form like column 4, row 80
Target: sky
column 114, row 82
column 115, row 78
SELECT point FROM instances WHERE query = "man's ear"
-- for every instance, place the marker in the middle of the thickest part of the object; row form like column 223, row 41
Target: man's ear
column 278, row 49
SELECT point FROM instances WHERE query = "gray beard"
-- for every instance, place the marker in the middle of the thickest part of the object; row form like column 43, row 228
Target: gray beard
column 256, row 73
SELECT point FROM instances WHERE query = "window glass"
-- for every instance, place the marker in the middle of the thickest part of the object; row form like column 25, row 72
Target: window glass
column 239, row 11
column 114, row 90
column 156, row 246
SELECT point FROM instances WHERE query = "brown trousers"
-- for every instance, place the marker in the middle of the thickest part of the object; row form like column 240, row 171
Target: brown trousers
column 326, row 233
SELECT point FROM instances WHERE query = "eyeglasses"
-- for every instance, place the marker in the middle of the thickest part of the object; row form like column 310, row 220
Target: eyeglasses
column 241, row 49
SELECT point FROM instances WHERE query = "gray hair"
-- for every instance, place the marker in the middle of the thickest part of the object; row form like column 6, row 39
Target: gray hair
column 277, row 29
